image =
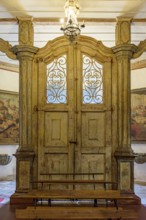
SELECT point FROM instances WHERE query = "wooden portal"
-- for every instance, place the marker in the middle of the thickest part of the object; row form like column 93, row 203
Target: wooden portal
column 75, row 109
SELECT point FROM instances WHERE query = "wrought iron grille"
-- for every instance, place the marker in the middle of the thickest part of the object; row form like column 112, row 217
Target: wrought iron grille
column 92, row 81
column 56, row 81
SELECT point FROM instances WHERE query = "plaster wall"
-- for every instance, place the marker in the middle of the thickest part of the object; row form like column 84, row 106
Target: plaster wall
column 138, row 77
column 8, row 172
column 139, row 169
column 9, row 81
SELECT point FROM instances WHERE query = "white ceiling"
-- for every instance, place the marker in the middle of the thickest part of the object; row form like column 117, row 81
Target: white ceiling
column 99, row 15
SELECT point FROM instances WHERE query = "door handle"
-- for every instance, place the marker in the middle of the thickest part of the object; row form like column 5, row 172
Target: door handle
column 73, row 142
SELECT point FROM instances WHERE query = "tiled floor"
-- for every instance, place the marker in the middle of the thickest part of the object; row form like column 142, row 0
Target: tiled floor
column 7, row 188
column 7, row 212
column 140, row 190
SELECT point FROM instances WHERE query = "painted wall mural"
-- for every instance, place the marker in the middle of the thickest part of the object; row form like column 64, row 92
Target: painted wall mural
column 9, row 117
column 138, row 117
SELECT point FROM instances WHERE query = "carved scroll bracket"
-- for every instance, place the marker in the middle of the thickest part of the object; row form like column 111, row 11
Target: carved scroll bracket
column 6, row 48
column 141, row 48
column 5, row 159
column 140, row 158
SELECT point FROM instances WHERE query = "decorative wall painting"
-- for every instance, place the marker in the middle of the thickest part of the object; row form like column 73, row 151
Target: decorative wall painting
column 138, row 117
column 9, row 117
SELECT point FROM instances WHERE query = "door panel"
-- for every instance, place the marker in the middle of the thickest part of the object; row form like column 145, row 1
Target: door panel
column 74, row 132
column 92, row 131
column 55, row 163
column 93, row 163
column 55, row 129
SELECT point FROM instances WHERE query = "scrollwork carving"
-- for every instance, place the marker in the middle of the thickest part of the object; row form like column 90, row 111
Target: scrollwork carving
column 56, row 81
column 92, row 81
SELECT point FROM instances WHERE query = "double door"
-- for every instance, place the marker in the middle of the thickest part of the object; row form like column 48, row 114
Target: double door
column 74, row 115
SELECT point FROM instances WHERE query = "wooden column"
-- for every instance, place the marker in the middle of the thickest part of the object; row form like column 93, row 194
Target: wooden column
column 25, row 52
column 124, row 154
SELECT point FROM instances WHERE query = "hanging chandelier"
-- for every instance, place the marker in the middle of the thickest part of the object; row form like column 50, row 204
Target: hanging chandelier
column 72, row 29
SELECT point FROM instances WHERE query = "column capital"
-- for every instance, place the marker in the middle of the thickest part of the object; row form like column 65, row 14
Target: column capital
column 123, row 50
column 23, row 51
column 24, row 18
column 24, row 154
column 124, row 152
column 124, row 19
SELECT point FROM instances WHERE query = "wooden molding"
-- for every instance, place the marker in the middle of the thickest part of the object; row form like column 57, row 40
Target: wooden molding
column 56, row 20
column 138, row 65
column 142, row 183
column 9, row 67
column 139, row 91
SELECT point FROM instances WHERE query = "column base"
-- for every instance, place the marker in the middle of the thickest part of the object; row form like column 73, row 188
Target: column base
column 125, row 171
column 24, row 160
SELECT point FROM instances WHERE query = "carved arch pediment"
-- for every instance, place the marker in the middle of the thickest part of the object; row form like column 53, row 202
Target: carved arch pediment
column 5, row 47
column 59, row 45
column 95, row 47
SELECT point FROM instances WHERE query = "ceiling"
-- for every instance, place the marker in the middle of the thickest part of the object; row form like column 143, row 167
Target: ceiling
column 99, row 15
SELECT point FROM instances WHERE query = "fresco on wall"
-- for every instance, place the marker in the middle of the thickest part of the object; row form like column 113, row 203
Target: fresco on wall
column 138, row 117
column 9, row 117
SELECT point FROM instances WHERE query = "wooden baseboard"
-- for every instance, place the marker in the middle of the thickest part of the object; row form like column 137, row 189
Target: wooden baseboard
column 135, row 201
column 141, row 183
column 16, row 199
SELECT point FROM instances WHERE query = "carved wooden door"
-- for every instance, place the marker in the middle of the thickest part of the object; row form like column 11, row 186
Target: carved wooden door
column 74, row 115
